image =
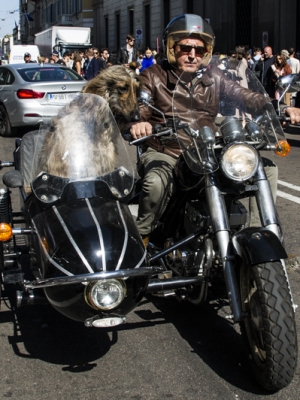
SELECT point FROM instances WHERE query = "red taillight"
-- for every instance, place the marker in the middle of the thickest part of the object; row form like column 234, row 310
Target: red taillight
column 29, row 94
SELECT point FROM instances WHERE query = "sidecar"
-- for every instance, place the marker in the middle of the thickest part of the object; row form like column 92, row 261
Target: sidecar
column 79, row 232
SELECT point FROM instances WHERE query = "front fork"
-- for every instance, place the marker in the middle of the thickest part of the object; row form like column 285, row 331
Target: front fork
column 221, row 227
column 265, row 202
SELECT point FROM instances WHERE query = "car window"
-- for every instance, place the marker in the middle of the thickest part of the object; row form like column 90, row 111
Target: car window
column 48, row 74
column 3, row 75
column 10, row 78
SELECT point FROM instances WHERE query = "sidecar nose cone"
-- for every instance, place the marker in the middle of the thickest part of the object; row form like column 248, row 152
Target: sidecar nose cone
column 107, row 322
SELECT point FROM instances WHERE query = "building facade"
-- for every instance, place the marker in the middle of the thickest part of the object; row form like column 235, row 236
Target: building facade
column 247, row 22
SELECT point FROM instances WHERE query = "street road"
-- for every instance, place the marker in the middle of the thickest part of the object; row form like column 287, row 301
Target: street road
column 166, row 350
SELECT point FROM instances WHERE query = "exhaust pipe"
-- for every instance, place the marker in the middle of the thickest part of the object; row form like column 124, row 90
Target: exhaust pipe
column 160, row 285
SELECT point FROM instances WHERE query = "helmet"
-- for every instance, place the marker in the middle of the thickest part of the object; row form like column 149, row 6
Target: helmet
column 188, row 25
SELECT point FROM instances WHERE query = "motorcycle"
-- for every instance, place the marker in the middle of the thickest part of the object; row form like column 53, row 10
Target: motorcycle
column 87, row 258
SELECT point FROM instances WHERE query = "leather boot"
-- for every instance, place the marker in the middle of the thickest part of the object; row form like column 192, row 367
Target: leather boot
column 145, row 239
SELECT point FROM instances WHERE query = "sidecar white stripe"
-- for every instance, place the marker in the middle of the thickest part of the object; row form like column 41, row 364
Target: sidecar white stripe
column 142, row 260
column 84, row 260
column 99, row 234
column 47, row 254
column 125, row 238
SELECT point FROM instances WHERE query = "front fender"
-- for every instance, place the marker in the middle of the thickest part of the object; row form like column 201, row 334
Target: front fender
column 258, row 245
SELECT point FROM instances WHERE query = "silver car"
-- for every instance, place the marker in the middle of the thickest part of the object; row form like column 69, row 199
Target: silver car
column 30, row 92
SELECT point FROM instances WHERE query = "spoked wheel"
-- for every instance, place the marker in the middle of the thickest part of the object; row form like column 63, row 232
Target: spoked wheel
column 269, row 329
column 5, row 128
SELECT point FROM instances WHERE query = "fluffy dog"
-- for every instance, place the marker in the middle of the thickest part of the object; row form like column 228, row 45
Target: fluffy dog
column 120, row 87
column 85, row 129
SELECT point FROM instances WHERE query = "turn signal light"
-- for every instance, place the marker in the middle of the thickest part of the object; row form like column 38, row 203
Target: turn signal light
column 5, row 231
column 283, row 148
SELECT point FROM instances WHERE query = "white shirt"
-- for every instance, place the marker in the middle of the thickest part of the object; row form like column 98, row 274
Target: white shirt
column 294, row 64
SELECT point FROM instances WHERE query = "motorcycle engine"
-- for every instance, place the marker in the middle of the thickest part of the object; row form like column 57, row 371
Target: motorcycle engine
column 184, row 262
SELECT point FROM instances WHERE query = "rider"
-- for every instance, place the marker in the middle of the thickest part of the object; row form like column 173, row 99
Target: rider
column 189, row 42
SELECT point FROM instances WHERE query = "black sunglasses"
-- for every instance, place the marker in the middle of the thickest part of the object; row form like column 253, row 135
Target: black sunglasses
column 187, row 48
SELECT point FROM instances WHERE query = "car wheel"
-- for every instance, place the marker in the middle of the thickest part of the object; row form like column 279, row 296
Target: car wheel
column 5, row 128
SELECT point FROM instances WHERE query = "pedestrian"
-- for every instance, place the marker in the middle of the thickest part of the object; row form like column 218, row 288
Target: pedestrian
column 67, row 59
column 91, row 66
column 102, row 60
column 56, row 59
column 281, row 68
column 127, row 53
column 265, row 72
column 256, row 57
column 77, row 63
column 27, row 58
column 148, row 60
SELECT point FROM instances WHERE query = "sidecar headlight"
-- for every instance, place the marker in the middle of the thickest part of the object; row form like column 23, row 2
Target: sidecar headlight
column 239, row 161
column 105, row 294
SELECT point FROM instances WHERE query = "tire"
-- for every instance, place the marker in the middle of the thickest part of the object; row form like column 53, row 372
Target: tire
column 269, row 329
column 5, row 128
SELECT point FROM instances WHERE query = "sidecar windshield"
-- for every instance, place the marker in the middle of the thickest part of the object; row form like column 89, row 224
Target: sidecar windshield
column 82, row 143
column 231, row 105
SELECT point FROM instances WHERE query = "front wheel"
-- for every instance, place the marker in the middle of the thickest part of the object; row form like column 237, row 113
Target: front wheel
column 269, row 329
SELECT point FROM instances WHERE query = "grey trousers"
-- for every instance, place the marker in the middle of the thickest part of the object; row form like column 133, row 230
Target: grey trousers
column 156, row 169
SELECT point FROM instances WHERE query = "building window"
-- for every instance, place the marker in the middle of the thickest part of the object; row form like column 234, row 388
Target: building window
column 131, row 20
column 190, row 6
column 118, row 31
column 243, row 22
column 166, row 12
column 106, row 30
column 147, row 25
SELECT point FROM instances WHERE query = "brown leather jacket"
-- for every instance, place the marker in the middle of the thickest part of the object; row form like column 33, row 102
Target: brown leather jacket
column 201, row 99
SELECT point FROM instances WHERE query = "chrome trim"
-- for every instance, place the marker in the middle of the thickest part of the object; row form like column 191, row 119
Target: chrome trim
column 125, row 238
column 142, row 259
column 84, row 260
column 47, row 254
column 83, row 278
column 99, row 234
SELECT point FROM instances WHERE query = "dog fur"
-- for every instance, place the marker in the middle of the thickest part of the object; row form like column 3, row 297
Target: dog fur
column 120, row 87
column 97, row 152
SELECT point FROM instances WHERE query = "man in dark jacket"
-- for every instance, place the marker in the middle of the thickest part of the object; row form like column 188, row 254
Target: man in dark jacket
column 128, row 53
column 189, row 41
column 264, row 67
column 91, row 66
column 102, row 60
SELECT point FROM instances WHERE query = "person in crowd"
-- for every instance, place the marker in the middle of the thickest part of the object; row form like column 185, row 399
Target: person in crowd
column 27, row 58
column 56, row 59
column 135, row 66
column 67, row 59
column 281, row 68
column 295, row 66
column 188, row 41
column 256, row 57
column 91, row 66
column 83, row 58
column 102, row 60
column 265, row 71
column 96, row 52
column 127, row 53
column 77, row 63
column 148, row 60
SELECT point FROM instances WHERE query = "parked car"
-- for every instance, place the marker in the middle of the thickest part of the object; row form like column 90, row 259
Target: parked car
column 31, row 92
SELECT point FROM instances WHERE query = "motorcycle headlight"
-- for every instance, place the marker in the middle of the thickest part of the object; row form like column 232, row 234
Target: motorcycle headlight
column 239, row 161
column 105, row 294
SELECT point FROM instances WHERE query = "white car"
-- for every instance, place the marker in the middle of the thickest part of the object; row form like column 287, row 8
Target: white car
column 31, row 92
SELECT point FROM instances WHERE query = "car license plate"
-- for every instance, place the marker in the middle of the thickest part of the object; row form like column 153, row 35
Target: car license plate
column 57, row 97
